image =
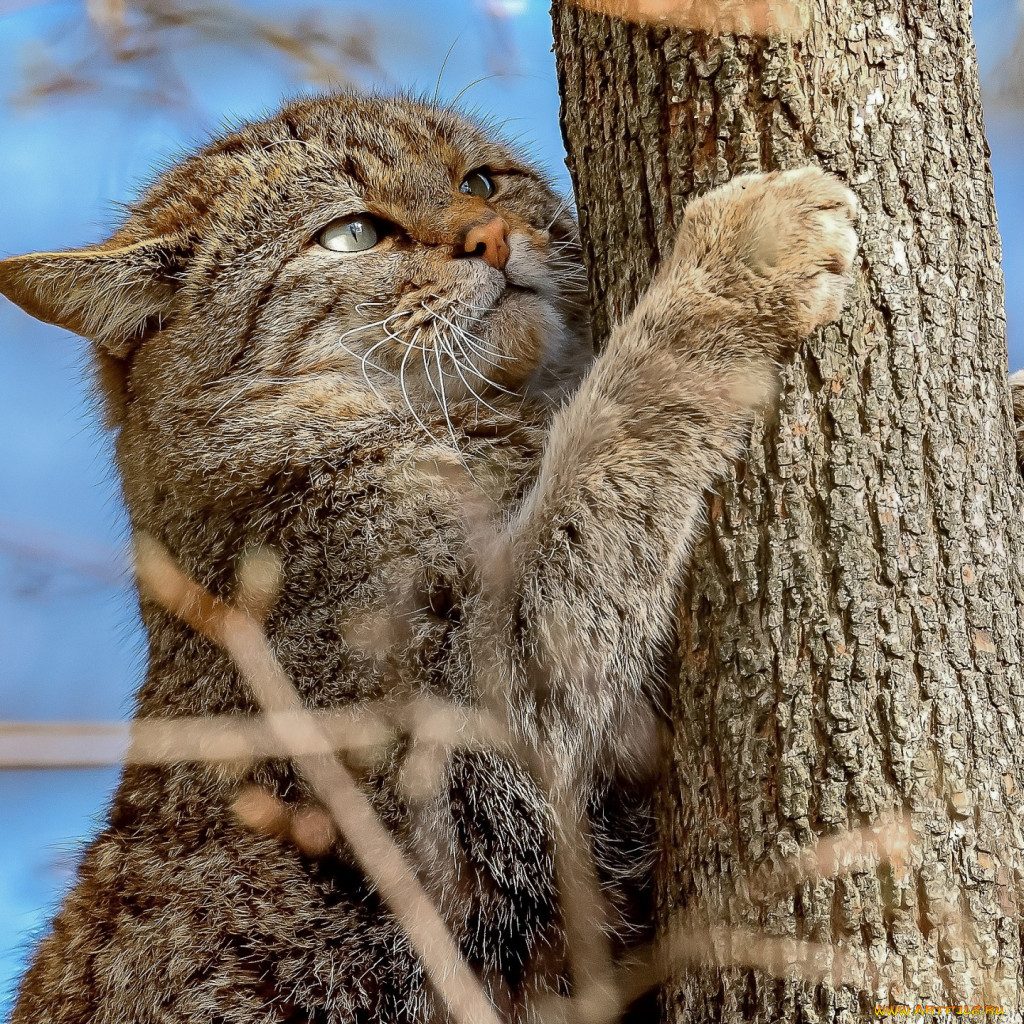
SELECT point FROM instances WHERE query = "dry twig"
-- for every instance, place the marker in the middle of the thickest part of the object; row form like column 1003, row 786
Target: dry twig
column 378, row 856
column 89, row 56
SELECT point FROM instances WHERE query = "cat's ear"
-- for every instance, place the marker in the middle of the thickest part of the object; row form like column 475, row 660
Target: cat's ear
column 108, row 294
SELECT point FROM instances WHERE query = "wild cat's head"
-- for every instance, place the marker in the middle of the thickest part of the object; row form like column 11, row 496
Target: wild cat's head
column 377, row 238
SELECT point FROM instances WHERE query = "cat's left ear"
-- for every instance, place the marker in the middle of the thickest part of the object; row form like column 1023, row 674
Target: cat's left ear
column 108, row 293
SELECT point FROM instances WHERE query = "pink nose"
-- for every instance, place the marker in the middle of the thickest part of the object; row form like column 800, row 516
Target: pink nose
column 488, row 241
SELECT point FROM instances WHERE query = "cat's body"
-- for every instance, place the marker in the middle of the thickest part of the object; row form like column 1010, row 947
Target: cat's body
column 431, row 542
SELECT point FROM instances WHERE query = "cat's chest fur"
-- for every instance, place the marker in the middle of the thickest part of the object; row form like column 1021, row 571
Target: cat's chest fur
column 377, row 556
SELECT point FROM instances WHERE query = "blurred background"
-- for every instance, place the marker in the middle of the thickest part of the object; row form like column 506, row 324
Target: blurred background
column 93, row 95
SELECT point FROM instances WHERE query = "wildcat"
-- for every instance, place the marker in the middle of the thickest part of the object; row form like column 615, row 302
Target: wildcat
column 339, row 334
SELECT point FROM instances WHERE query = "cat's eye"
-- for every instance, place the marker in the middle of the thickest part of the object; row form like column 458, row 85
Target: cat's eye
column 352, row 234
column 477, row 183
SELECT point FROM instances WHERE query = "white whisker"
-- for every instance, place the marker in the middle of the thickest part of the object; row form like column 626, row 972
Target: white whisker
column 456, row 362
column 362, row 357
column 466, row 316
column 227, row 401
column 430, row 381
column 444, row 397
column 405, row 390
column 454, row 327
column 483, row 351
column 562, row 207
column 468, row 305
column 472, row 369
column 359, row 305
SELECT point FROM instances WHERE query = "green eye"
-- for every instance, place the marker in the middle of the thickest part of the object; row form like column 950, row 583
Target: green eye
column 477, row 183
column 351, row 234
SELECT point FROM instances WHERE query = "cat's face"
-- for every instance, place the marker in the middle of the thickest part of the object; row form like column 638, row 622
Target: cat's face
column 391, row 240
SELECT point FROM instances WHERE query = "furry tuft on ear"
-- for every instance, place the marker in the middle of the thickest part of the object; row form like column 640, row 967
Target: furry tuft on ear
column 106, row 293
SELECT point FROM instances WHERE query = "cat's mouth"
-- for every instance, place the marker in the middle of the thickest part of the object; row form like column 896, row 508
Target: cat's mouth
column 512, row 292
column 521, row 289
column 526, row 272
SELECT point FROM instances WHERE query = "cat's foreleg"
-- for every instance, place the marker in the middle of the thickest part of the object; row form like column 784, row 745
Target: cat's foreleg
column 600, row 542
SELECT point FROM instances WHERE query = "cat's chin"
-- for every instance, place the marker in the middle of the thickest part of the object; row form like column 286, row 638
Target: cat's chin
column 522, row 323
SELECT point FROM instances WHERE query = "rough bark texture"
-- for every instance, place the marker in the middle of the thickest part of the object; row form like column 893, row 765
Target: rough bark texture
column 850, row 635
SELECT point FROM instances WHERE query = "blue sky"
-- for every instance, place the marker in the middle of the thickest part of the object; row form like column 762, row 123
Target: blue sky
column 70, row 642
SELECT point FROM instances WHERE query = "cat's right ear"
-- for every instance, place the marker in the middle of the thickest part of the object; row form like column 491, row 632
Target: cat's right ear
column 108, row 293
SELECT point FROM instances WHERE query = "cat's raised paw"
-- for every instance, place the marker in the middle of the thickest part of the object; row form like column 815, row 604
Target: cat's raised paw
column 793, row 232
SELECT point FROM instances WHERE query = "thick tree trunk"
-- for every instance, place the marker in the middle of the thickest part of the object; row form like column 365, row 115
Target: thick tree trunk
column 850, row 636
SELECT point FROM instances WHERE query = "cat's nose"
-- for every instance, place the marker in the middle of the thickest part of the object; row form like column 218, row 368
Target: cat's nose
column 488, row 241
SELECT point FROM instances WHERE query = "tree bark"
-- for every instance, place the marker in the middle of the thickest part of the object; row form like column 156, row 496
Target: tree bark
column 850, row 632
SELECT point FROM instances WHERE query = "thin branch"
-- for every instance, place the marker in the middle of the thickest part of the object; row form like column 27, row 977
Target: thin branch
column 147, row 34
column 226, row 738
column 687, row 944
column 379, row 857
column 222, row 738
column 889, row 840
